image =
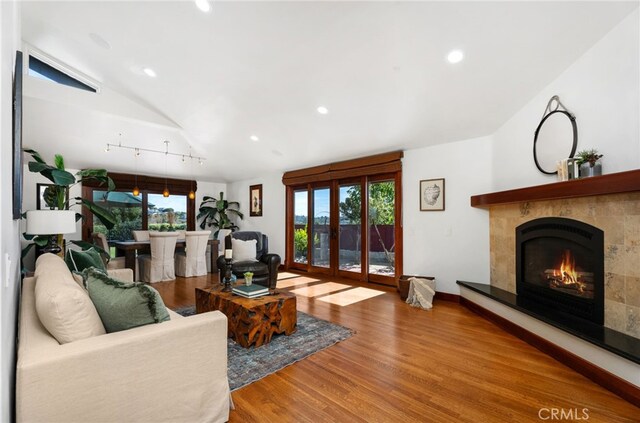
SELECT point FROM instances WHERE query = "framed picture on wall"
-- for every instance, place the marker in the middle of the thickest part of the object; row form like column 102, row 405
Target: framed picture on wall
column 432, row 195
column 41, row 203
column 255, row 200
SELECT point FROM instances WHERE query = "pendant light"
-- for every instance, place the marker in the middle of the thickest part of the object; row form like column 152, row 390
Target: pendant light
column 136, row 190
column 192, row 194
column 165, row 193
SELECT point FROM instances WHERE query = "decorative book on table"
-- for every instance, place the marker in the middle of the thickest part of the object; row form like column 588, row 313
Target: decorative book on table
column 250, row 290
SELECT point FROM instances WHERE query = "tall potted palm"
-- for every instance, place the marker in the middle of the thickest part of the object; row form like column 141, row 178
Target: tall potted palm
column 216, row 213
column 56, row 196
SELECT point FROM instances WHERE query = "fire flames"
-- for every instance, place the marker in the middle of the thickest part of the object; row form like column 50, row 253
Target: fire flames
column 567, row 275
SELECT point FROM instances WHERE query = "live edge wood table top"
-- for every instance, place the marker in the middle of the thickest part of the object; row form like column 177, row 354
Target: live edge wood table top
column 251, row 321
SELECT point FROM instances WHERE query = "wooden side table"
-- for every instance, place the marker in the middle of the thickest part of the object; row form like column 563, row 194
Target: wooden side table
column 251, row 321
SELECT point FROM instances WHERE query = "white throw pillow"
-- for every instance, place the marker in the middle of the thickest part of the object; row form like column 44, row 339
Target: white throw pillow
column 244, row 250
column 63, row 307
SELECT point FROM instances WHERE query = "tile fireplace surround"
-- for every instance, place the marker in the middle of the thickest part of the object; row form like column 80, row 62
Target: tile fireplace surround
column 609, row 355
column 617, row 213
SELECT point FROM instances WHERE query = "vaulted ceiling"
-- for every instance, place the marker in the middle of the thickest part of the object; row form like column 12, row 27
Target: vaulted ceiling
column 262, row 68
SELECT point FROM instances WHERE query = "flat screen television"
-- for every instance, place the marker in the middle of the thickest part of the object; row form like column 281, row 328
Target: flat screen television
column 17, row 137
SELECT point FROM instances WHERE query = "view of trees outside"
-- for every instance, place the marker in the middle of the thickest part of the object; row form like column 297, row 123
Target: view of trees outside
column 167, row 213
column 301, row 219
column 350, row 243
column 164, row 214
column 382, row 256
column 320, row 253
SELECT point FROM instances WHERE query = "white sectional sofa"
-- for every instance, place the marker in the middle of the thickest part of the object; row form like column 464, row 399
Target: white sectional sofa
column 174, row 371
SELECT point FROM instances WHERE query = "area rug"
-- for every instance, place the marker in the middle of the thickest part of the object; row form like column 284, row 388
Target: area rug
column 246, row 365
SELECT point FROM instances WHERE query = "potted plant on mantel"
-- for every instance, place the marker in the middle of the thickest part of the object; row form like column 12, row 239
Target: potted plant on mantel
column 589, row 163
column 56, row 197
column 216, row 212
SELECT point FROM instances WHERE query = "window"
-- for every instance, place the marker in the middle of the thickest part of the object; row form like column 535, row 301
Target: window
column 148, row 210
column 127, row 209
column 42, row 70
column 167, row 213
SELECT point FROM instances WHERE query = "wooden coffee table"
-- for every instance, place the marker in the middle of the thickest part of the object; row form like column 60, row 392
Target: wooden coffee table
column 251, row 321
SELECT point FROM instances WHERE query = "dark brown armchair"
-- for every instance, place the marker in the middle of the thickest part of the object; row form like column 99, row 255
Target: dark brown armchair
column 265, row 270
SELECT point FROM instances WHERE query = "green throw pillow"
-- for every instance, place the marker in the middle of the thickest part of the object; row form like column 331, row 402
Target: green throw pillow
column 123, row 305
column 80, row 260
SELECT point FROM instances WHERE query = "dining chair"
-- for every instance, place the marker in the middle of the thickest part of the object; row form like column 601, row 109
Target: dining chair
column 193, row 261
column 160, row 264
column 101, row 241
column 141, row 235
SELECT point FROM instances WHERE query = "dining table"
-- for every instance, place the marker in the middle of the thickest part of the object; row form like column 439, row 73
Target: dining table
column 129, row 248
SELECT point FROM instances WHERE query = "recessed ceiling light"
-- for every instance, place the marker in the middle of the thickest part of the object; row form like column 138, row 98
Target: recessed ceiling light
column 322, row 110
column 455, row 56
column 203, row 5
column 149, row 72
column 254, row 138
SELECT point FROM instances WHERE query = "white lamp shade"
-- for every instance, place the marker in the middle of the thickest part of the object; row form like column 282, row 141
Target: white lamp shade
column 51, row 222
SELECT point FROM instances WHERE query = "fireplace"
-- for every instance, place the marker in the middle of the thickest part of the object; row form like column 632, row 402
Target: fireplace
column 560, row 267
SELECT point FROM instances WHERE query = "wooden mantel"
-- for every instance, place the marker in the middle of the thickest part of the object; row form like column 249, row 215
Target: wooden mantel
column 614, row 183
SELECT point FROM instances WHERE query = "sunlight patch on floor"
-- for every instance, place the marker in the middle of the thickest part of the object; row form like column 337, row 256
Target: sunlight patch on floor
column 288, row 283
column 287, row 275
column 321, row 289
column 350, row 296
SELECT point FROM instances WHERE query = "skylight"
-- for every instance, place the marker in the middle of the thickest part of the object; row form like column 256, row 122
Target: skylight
column 42, row 70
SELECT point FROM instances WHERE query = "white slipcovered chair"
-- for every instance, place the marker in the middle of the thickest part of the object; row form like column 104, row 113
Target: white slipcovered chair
column 160, row 265
column 141, row 235
column 101, row 241
column 193, row 261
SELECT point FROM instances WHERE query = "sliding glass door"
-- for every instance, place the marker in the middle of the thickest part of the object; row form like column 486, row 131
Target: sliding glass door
column 381, row 222
column 321, row 228
column 347, row 228
column 350, row 220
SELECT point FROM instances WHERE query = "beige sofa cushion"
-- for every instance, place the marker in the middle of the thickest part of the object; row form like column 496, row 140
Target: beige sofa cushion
column 63, row 307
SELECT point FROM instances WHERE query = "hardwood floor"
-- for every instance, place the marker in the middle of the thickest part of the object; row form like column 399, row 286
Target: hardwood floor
column 410, row 365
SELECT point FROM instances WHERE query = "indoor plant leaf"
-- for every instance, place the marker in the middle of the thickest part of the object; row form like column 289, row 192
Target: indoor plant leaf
column 62, row 177
column 58, row 160
column 105, row 216
column 36, row 156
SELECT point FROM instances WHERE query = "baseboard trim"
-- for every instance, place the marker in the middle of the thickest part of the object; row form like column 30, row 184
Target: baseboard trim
column 445, row 296
column 600, row 376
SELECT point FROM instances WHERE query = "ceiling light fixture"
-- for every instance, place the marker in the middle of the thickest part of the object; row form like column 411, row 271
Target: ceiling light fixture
column 165, row 192
column 149, row 72
column 455, row 56
column 254, row 138
column 322, row 110
column 136, row 190
column 192, row 194
column 203, row 5
column 149, row 150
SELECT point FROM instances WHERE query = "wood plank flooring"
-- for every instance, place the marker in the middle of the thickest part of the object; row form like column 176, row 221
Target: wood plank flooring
column 411, row 365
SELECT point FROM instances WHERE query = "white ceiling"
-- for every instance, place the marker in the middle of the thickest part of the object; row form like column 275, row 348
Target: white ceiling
column 263, row 67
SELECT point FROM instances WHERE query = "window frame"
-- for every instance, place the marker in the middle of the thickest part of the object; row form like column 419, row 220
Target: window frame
column 147, row 185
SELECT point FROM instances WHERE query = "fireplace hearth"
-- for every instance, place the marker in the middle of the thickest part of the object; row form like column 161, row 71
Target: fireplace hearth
column 560, row 267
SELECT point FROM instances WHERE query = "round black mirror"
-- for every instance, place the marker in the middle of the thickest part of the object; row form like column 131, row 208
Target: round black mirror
column 556, row 135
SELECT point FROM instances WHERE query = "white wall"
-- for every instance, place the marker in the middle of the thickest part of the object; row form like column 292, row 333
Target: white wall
column 9, row 229
column 452, row 244
column 602, row 89
column 272, row 221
